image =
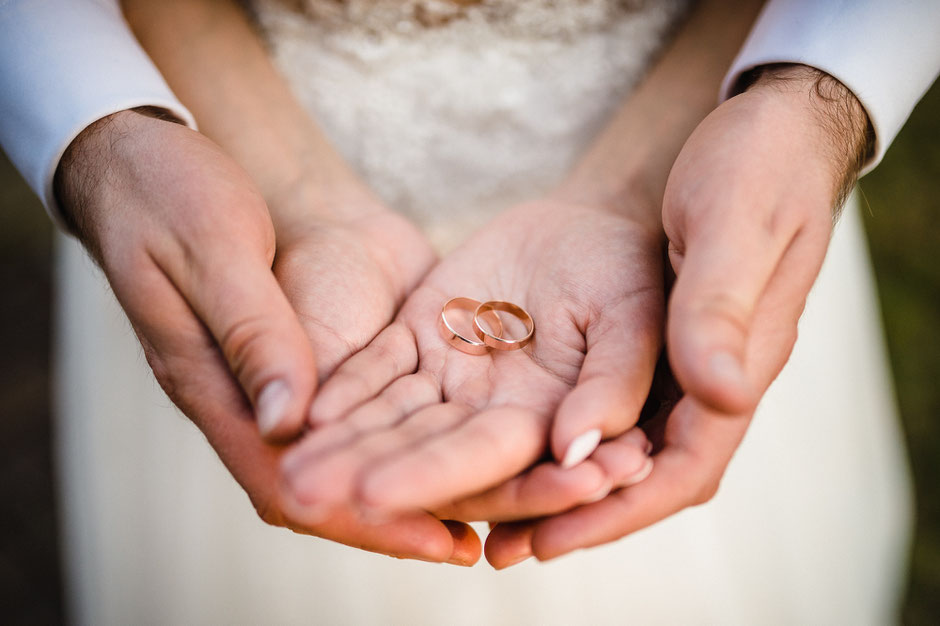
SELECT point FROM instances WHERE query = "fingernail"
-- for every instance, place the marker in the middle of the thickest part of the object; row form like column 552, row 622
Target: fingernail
column 600, row 494
column 460, row 561
column 639, row 475
column 516, row 561
column 581, row 448
column 726, row 366
column 272, row 406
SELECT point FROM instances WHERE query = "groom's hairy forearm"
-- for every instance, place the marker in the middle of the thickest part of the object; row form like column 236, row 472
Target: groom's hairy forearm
column 631, row 159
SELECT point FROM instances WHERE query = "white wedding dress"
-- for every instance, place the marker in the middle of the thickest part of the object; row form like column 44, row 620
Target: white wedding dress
column 453, row 111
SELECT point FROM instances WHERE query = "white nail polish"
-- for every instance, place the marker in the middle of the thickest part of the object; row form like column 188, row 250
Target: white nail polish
column 581, row 448
column 272, row 405
column 639, row 475
column 725, row 366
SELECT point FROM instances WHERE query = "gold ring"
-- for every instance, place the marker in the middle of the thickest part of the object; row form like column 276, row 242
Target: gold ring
column 454, row 337
column 497, row 341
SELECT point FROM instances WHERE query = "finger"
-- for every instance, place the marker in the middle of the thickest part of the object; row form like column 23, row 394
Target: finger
column 391, row 355
column 615, row 378
column 415, row 535
column 403, row 397
column 774, row 328
column 625, row 460
column 548, row 489
column 687, row 472
column 728, row 259
column 324, row 482
column 481, row 451
column 467, row 545
column 235, row 294
column 509, row 543
column 190, row 367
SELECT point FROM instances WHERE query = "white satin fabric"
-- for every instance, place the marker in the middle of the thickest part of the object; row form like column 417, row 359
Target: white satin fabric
column 451, row 123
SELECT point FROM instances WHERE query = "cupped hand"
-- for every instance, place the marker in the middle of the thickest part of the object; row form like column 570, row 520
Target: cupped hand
column 411, row 423
column 187, row 244
column 748, row 213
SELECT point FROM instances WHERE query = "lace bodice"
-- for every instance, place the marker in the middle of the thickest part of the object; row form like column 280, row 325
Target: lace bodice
column 453, row 110
column 527, row 18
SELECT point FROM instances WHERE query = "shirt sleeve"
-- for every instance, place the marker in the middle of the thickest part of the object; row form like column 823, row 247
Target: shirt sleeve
column 64, row 65
column 887, row 52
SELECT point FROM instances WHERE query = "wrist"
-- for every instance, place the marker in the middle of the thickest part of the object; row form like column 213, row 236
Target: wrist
column 835, row 117
column 307, row 200
column 631, row 193
column 86, row 173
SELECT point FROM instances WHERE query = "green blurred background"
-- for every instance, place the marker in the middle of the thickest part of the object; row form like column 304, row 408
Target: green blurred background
column 903, row 223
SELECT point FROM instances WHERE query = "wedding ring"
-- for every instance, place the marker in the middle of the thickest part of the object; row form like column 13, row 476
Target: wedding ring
column 460, row 341
column 497, row 341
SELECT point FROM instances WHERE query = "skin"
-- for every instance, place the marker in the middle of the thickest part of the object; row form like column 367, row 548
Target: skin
column 187, row 236
column 417, row 425
column 424, row 427
column 748, row 212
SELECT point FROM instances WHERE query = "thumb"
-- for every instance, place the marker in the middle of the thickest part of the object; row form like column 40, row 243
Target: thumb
column 236, row 296
column 615, row 377
column 721, row 275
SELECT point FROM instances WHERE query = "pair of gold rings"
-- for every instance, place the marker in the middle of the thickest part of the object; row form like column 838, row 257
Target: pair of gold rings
column 486, row 325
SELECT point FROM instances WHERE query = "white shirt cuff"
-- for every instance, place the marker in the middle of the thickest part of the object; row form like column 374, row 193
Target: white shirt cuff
column 65, row 65
column 886, row 53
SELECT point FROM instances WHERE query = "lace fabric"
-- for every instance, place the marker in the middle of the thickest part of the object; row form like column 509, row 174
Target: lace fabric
column 451, row 118
column 538, row 18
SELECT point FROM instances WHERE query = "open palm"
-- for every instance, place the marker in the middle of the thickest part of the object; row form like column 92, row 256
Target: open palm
column 412, row 423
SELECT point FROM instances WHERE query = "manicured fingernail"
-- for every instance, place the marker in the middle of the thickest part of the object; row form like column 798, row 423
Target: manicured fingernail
column 581, row 448
column 600, row 494
column 272, row 406
column 639, row 475
column 727, row 367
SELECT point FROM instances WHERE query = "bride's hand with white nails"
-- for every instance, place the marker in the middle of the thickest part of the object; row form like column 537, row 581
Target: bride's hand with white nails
column 412, row 423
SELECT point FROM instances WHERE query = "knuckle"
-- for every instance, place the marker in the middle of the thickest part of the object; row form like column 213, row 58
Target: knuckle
column 240, row 340
column 725, row 307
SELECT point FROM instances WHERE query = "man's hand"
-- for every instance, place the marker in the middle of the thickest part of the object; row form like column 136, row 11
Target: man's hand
column 184, row 236
column 748, row 211
column 187, row 244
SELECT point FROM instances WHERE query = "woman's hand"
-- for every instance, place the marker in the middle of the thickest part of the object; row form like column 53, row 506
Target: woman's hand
column 412, row 423
column 748, row 211
column 187, row 244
